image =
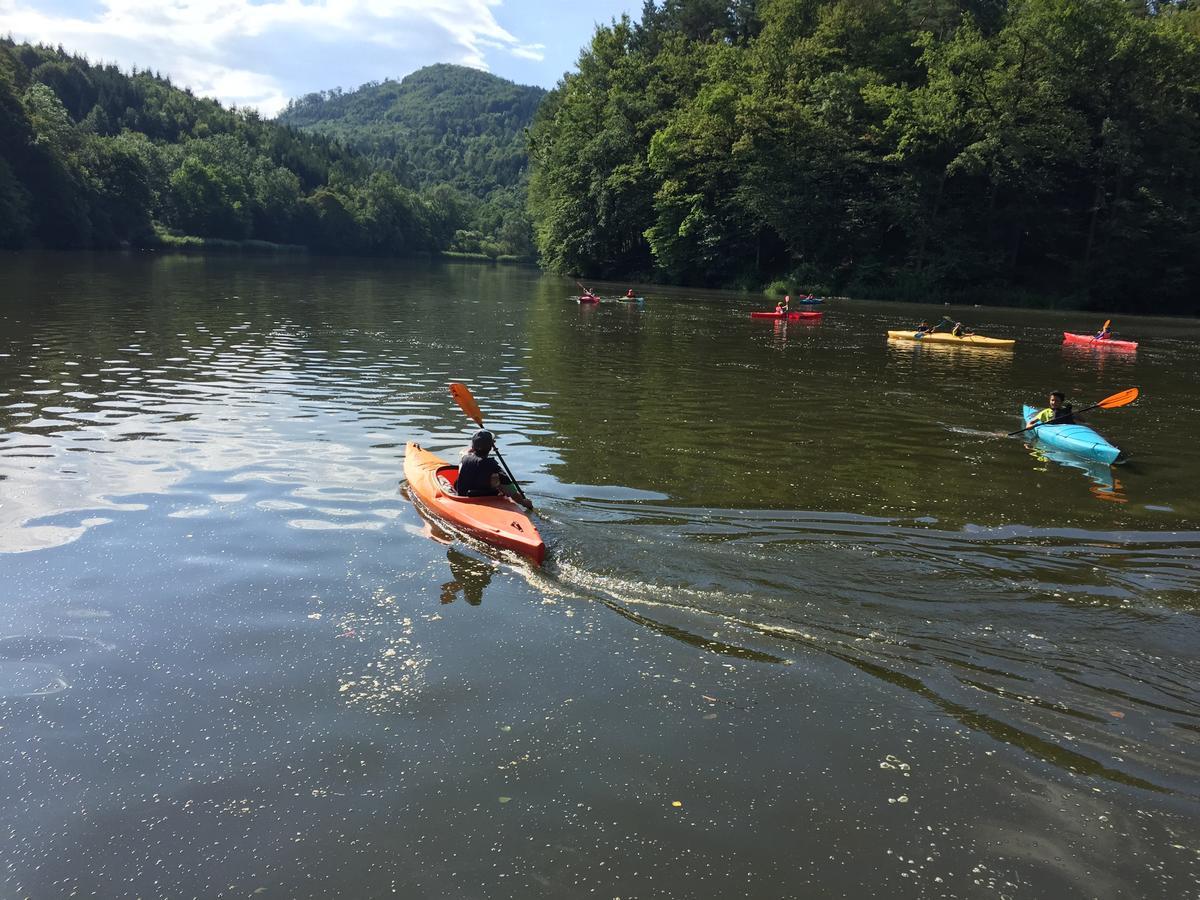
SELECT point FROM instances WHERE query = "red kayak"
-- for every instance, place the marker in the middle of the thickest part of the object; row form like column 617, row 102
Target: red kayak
column 1069, row 338
column 790, row 316
column 589, row 298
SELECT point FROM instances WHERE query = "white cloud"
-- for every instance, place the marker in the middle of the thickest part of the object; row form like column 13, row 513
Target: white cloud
column 260, row 53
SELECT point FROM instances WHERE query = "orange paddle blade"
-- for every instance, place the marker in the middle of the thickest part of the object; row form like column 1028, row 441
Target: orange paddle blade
column 462, row 396
column 1121, row 399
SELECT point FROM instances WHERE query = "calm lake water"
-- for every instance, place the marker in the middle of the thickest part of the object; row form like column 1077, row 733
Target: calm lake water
column 809, row 626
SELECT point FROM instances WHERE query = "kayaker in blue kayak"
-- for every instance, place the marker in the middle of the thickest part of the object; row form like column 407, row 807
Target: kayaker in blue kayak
column 1057, row 413
column 480, row 476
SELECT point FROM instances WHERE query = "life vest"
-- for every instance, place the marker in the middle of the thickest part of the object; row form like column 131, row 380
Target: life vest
column 1064, row 417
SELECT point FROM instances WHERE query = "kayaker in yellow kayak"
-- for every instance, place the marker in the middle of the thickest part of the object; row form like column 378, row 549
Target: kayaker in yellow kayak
column 961, row 330
column 1057, row 413
column 480, row 476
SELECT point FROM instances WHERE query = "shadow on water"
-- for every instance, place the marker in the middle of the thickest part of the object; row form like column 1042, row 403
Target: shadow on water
column 470, row 577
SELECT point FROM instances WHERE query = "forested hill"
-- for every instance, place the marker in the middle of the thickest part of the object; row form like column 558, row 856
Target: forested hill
column 442, row 124
column 958, row 149
column 91, row 156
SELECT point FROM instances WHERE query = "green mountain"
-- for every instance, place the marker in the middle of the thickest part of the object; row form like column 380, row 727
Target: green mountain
column 92, row 156
column 442, row 124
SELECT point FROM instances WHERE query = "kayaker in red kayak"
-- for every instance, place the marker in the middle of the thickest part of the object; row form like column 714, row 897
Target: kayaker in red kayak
column 1104, row 334
column 480, row 476
column 1057, row 413
column 629, row 293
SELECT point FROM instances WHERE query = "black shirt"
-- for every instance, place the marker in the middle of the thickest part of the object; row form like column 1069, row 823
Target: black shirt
column 475, row 476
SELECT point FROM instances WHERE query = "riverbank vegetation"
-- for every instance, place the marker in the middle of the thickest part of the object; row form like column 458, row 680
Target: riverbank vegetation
column 442, row 127
column 91, row 156
column 1024, row 152
column 959, row 150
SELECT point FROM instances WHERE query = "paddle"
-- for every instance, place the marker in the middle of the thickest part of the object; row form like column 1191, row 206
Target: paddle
column 462, row 396
column 920, row 334
column 1122, row 399
column 587, row 292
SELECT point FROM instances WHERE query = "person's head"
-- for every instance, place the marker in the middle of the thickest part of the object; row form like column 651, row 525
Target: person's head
column 482, row 442
column 924, row 325
column 629, row 293
column 787, row 298
column 1057, row 399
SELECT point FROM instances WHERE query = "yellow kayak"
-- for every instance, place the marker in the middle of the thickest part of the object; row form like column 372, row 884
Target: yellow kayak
column 945, row 337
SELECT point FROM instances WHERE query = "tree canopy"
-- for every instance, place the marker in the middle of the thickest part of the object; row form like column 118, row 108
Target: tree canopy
column 91, row 156
column 906, row 148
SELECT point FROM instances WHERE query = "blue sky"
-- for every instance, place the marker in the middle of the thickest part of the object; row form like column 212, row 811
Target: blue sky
column 262, row 52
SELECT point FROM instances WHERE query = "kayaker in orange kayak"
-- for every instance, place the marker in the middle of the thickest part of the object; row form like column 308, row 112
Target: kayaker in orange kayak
column 1057, row 413
column 480, row 476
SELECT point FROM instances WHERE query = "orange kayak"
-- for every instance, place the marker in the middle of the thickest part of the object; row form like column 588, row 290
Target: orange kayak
column 494, row 520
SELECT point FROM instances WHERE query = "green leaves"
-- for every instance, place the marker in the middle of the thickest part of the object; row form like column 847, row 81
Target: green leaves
column 1053, row 145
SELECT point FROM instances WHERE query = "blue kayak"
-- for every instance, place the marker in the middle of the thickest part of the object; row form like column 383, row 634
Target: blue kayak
column 1077, row 439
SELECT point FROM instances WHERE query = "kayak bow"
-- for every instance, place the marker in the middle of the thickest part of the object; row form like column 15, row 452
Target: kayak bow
column 494, row 520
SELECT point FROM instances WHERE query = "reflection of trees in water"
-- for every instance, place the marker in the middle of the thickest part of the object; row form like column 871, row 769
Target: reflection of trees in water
column 471, row 577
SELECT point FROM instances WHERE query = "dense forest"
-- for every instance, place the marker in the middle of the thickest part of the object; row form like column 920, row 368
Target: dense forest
column 441, row 125
column 966, row 149
column 91, row 156
column 1020, row 151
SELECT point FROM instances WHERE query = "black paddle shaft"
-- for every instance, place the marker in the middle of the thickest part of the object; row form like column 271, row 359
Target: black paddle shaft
column 508, row 471
column 1052, row 421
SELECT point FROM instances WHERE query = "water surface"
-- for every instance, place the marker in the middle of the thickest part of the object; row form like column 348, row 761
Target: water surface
column 810, row 625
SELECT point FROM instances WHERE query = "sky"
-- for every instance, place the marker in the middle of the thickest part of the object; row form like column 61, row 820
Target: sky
column 261, row 53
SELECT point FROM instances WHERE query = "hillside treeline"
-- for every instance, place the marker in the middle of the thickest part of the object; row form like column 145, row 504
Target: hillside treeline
column 900, row 148
column 91, row 156
column 441, row 125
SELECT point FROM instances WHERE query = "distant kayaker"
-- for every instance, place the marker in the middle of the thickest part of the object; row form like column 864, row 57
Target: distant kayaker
column 629, row 293
column 1104, row 334
column 480, row 476
column 781, row 307
column 961, row 330
column 1057, row 413
column 924, row 328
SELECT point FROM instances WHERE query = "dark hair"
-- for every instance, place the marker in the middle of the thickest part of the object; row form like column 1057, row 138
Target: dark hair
column 483, row 441
column 1059, row 394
